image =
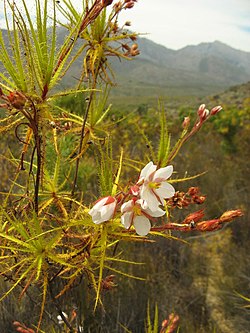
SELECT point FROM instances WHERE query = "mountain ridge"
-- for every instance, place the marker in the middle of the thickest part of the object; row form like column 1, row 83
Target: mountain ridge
column 195, row 69
column 200, row 70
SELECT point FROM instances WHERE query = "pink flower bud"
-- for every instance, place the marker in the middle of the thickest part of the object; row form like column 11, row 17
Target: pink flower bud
column 215, row 110
column 203, row 112
column 134, row 190
column 201, row 109
column 103, row 210
column 186, row 123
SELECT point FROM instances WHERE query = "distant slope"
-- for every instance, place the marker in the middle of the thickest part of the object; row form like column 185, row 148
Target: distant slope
column 207, row 68
column 198, row 70
column 237, row 96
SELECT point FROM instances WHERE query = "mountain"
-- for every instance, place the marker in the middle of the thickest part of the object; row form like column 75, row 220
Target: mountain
column 200, row 70
column 199, row 58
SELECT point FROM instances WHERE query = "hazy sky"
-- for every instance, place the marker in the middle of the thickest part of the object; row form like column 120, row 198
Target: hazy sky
column 177, row 23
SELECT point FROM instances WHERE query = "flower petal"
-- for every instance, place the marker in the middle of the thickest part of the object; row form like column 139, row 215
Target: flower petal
column 96, row 217
column 165, row 191
column 98, row 205
column 142, row 203
column 163, row 173
column 156, row 213
column 126, row 219
column 142, row 225
column 147, row 171
column 107, row 211
column 127, row 206
column 148, row 196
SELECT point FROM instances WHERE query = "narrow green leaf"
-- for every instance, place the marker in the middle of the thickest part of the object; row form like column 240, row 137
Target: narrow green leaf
column 118, row 174
column 149, row 325
column 156, row 319
column 103, row 242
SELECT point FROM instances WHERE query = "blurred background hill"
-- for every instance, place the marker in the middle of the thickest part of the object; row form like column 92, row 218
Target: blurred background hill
column 198, row 70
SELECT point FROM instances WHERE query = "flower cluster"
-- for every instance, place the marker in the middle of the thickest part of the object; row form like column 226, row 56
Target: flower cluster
column 145, row 199
column 182, row 199
column 20, row 327
column 169, row 325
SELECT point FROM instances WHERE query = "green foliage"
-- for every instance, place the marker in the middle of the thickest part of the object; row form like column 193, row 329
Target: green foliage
column 230, row 123
column 149, row 327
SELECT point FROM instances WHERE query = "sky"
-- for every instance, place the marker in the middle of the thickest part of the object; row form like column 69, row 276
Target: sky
column 178, row 23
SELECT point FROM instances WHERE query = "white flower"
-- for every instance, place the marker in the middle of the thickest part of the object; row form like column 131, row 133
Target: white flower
column 103, row 210
column 136, row 212
column 154, row 188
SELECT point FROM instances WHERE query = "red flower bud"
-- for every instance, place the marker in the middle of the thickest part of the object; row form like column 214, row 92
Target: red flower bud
column 215, row 110
column 17, row 99
column 169, row 325
column 17, row 323
column 108, row 282
column 230, row 215
column 203, row 112
column 134, row 50
column 106, row 3
column 186, row 123
column 133, row 38
column 129, row 5
column 196, row 216
column 201, row 109
column 210, row 225
column 193, row 191
column 134, row 190
column 22, row 328
column 199, row 199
